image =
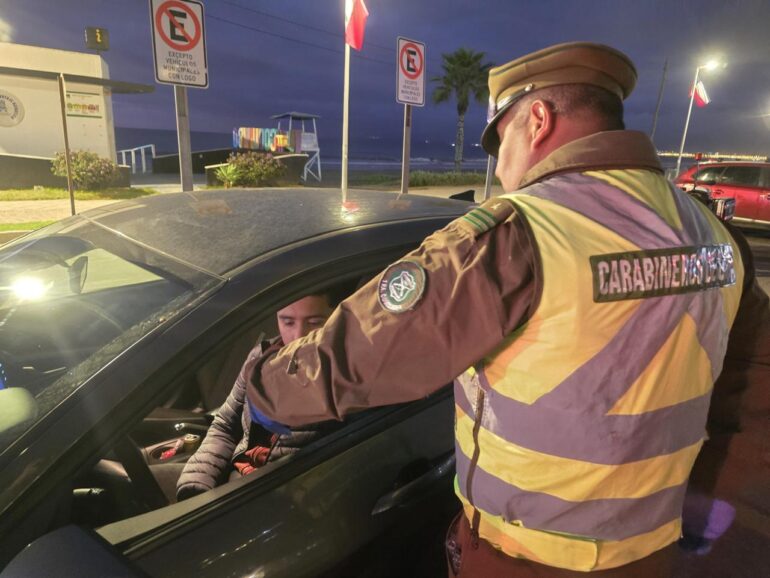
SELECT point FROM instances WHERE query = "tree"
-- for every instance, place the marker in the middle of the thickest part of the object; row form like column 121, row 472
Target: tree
column 465, row 76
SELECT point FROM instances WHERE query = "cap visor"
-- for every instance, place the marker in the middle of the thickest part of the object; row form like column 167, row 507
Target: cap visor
column 490, row 141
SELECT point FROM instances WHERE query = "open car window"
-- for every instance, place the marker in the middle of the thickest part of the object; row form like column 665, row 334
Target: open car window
column 111, row 491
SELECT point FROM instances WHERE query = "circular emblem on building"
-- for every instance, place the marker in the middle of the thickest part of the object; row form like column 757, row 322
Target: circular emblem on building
column 401, row 286
column 11, row 109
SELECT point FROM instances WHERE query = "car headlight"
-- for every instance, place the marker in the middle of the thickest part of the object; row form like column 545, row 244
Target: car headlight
column 29, row 288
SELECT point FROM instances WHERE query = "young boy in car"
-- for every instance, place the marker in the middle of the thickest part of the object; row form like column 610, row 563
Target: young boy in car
column 234, row 446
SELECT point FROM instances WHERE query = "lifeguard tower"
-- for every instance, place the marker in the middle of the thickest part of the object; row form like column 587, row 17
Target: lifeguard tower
column 302, row 140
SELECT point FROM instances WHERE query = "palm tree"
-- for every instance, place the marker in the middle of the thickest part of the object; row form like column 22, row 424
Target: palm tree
column 464, row 76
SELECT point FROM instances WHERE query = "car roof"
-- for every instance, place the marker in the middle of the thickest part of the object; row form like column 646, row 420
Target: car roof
column 219, row 230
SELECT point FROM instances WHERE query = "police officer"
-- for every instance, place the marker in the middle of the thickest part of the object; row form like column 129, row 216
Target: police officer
column 586, row 314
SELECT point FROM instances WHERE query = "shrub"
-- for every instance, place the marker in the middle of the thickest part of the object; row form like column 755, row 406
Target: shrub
column 89, row 170
column 228, row 175
column 255, row 169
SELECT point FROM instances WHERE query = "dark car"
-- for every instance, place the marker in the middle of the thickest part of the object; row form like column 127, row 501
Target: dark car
column 747, row 183
column 123, row 329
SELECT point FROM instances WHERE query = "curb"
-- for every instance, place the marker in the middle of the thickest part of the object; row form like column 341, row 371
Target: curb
column 6, row 236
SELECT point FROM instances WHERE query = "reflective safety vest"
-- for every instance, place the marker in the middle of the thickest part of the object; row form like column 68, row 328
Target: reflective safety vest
column 576, row 436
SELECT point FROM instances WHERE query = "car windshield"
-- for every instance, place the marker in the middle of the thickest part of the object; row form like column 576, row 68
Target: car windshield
column 73, row 297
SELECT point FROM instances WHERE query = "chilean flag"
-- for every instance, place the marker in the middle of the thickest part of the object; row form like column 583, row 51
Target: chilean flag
column 701, row 96
column 355, row 23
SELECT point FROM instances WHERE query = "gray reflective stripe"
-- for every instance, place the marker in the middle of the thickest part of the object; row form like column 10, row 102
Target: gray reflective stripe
column 587, row 434
column 604, row 378
column 609, row 519
column 610, row 207
column 707, row 310
column 694, row 224
column 712, row 328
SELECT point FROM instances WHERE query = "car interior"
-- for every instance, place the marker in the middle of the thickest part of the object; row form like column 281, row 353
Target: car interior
column 139, row 474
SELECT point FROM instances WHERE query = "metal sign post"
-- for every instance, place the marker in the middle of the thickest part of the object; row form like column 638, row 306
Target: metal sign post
column 406, row 148
column 183, row 137
column 410, row 91
column 179, row 49
column 490, row 178
column 67, row 160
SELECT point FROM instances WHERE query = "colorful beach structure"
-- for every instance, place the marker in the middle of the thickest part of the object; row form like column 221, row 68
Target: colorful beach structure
column 292, row 138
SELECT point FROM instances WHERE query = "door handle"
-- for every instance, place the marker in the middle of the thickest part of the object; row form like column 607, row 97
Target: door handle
column 416, row 487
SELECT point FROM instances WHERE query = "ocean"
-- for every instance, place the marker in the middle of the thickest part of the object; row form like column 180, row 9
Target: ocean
column 365, row 153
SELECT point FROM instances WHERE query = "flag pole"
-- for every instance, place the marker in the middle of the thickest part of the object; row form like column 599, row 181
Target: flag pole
column 660, row 99
column 345, row 107
column 687, row 123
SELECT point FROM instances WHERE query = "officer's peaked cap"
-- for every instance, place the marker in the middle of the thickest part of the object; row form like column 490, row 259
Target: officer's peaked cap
column 569, row 63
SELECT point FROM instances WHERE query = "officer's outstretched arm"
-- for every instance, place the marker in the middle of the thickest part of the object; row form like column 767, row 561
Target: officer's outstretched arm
column 412, row 329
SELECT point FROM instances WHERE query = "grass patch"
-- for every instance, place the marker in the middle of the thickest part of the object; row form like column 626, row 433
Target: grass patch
column 367, row 178
column 49, row 194
column 449, row 178
column 419, row 178
column 28, row 226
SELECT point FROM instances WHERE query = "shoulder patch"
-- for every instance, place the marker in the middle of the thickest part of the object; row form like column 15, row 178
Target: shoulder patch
column 401, row 286
column 487, row 216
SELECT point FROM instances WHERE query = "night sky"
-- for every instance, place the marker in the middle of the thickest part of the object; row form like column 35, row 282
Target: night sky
column 271, row 57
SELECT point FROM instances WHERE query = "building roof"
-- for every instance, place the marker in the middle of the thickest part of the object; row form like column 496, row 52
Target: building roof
column 295, row 115
column 117, row 86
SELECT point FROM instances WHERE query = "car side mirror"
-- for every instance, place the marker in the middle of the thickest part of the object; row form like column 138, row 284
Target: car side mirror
column 78, row 272
column 468, row 195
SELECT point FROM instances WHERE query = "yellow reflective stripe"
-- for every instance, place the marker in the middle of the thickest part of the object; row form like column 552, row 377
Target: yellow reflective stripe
column 573, row 553
column 647, row 186
column 678, row 372
column 509, row 370
column 463, row 436
column 570, row 479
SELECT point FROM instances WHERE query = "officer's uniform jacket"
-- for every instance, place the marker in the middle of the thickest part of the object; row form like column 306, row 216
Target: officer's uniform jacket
column 587, row 316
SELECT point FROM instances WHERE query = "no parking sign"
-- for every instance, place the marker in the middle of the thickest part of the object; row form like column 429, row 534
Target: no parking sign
column 410, row 85
column 179, row 42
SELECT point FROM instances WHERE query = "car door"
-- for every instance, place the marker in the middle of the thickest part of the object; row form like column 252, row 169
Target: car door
column 384, row 474
column 741, row 182
column 706, row 175
column 763, row 203
column 316, row 510
column 305, row 516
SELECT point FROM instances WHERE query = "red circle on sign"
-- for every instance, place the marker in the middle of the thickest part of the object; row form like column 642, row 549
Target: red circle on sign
column 164, row 10
column 411, row 75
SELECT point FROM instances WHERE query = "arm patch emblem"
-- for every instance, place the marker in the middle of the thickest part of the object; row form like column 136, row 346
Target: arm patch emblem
column 401, row 286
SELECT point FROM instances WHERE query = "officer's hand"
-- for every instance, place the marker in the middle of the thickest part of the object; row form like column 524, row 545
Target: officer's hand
column 704, row 519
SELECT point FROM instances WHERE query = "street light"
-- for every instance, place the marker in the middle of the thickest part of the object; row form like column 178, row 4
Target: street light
column 710, row 65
